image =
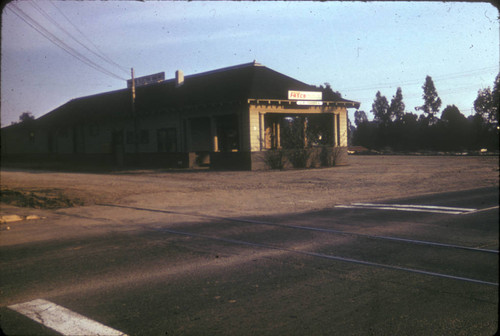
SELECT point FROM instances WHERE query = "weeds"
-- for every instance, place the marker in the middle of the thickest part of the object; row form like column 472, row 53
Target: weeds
column 40, row 199
column 275, row 159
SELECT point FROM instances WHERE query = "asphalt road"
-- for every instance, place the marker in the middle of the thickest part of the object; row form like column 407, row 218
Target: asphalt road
column 354, row 270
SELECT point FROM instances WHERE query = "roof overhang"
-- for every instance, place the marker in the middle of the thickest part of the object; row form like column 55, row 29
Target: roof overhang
column 289, row 103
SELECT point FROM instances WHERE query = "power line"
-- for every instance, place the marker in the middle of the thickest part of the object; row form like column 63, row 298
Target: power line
column 97, row 52
column 447, row 91
column 58, row 42
column 469, row 73
column 55, row 23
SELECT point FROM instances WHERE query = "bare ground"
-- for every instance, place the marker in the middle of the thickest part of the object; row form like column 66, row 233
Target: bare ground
column 366, row 178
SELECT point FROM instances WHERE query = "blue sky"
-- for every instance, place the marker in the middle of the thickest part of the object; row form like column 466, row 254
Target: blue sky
column 357, row 47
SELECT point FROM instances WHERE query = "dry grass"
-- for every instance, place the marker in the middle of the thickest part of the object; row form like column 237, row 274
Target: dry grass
column 38, row 199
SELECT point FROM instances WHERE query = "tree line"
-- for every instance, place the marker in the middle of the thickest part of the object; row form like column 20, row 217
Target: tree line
column 393, row 128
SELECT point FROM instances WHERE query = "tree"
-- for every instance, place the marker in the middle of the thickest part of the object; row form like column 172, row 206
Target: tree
column 404, row 133
column 364, row 133
column 360, row 118
column 432, row 102
column 453, row 129
column 382, row 121
column 496, row 99
column 350, row 128
column 486, row 104
column 452, row 116
column 380, row 110
column 478, row 132
column 328, row 93
column 410, row 119
column 24, row 118
column 486, row 117
column 397, row 107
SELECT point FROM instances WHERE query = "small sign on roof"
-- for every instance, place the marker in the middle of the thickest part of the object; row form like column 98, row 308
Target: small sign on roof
column 149, row 79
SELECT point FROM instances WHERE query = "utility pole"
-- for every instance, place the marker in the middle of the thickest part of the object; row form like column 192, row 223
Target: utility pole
column 134, row 115
column 133, row 87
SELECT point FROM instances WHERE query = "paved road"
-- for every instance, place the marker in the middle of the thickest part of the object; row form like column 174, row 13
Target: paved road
column 338, row 271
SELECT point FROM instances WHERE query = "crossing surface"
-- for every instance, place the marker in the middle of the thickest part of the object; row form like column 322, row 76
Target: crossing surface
column 336, row 271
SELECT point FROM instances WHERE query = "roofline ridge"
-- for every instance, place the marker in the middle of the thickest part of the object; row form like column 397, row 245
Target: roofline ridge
column 233, row 67
column 99, row 94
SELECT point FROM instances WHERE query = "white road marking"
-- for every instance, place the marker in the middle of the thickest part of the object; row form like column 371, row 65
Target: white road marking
column 418, row 206
column 409, row 207
column 481, row 210
column 63, row 320
column 399, row 209
column 307, row 228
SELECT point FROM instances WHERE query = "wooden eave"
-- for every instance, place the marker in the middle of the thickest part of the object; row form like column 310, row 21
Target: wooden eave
column 285, row 102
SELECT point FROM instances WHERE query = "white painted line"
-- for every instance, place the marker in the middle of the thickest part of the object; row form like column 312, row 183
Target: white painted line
column 418, row 206
column 481, row 210
column 399, row 209
column 63, row 320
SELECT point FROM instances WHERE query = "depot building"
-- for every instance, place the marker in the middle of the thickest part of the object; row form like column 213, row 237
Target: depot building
column 229, row 118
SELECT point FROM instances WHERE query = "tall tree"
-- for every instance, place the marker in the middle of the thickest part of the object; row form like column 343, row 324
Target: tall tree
column 486, row 104
column 452, row 116
column 453, row 129
column 397, row 107
column 360, row 118
column 432, row 102
column 380, row 110
column 408, row 132
column 350, row 131
column 496, row 99
column 486, row 118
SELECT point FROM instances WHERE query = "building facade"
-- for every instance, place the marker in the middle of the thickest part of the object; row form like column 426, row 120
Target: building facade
column 226, row 119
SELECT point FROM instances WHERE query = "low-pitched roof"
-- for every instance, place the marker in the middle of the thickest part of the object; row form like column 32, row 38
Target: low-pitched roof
column 232, row 84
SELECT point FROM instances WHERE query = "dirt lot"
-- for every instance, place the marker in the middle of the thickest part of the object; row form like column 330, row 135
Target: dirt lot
column 366, row 178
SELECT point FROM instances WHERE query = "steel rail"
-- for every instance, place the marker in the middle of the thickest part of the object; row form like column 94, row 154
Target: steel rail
column 307, row 228
column 328, row 256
